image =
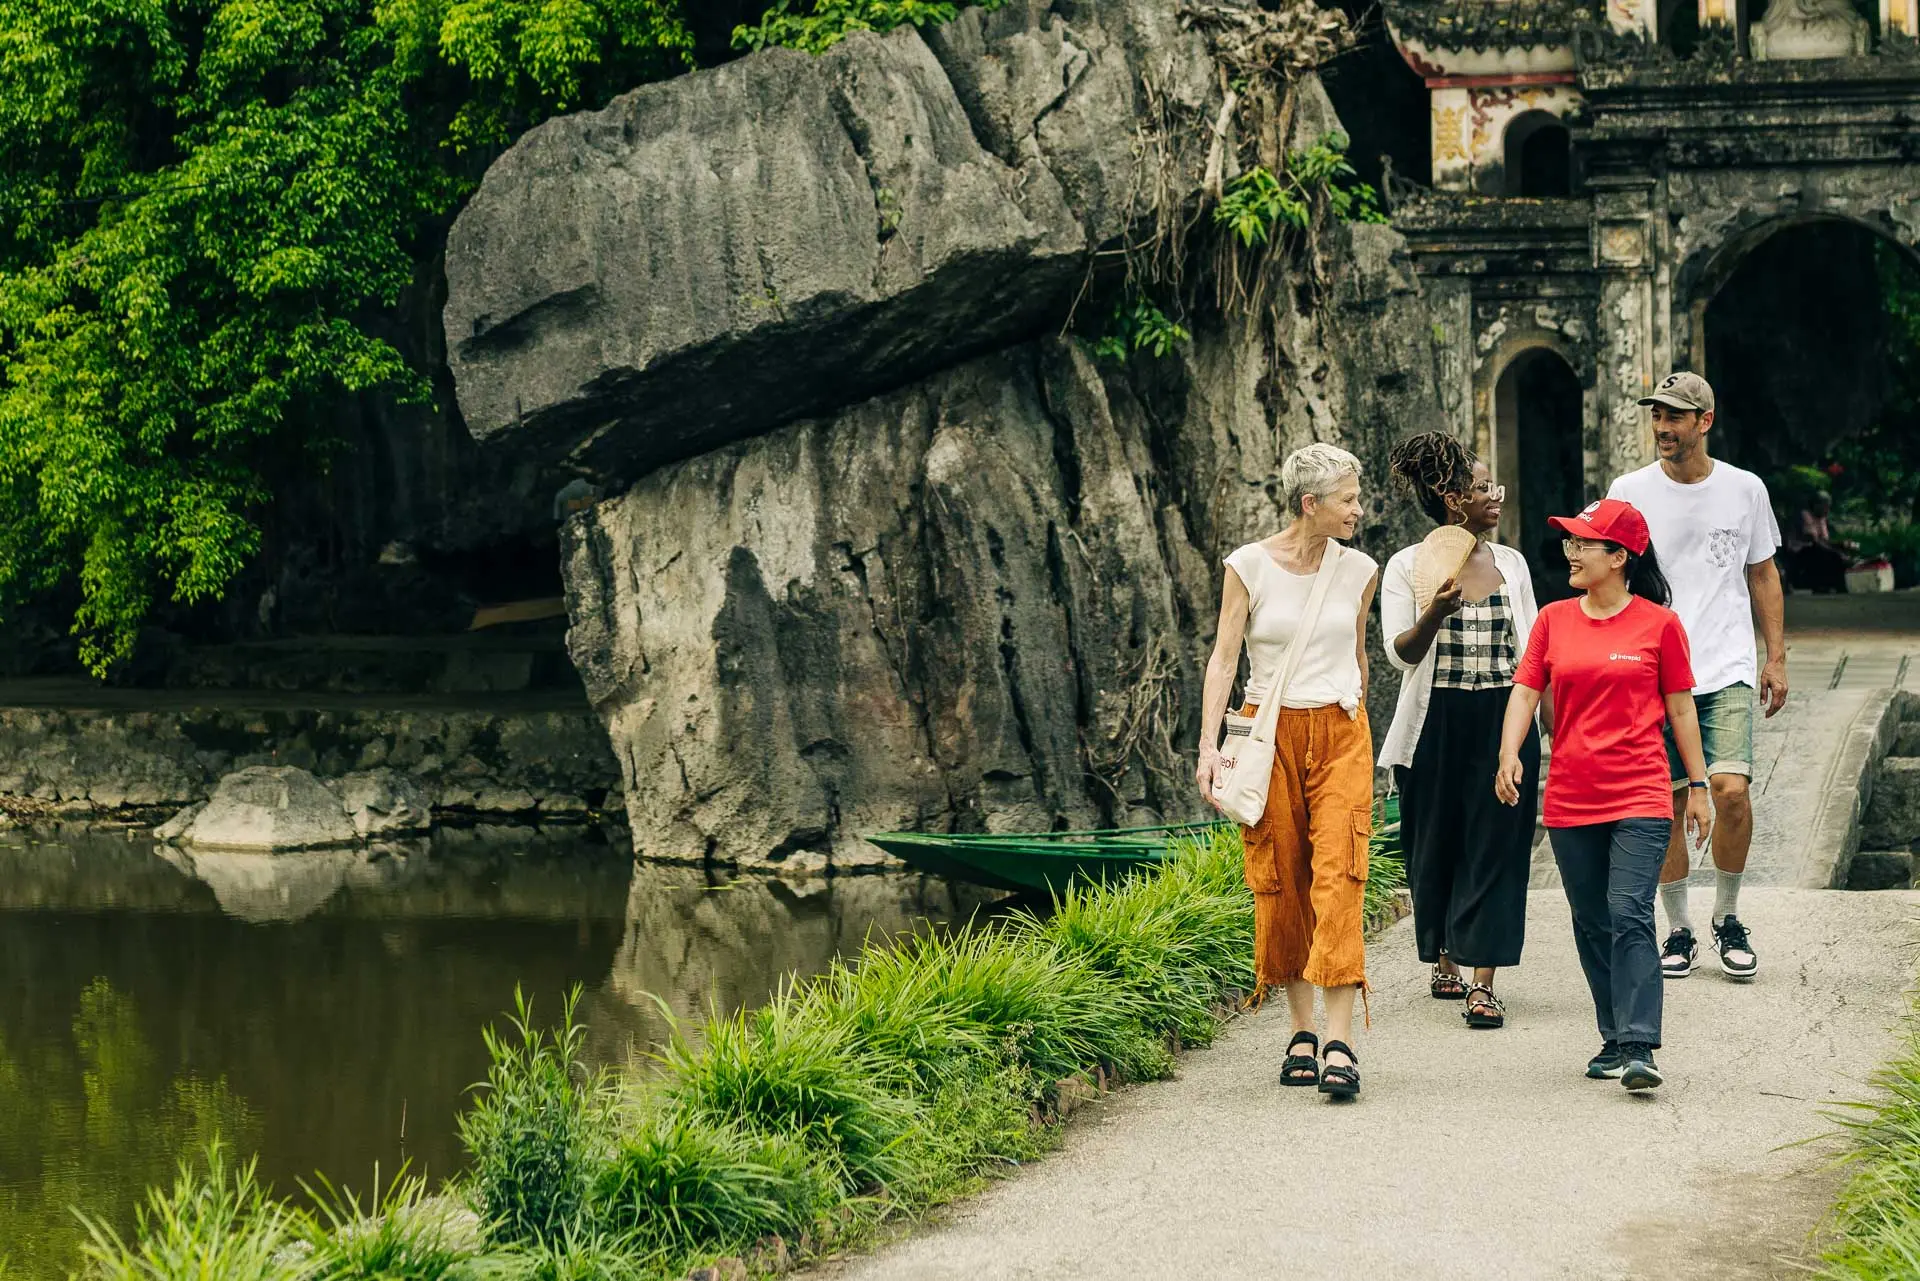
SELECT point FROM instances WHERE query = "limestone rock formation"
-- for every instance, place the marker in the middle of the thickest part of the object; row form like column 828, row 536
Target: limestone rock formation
column 893, row 551
column 270, row 807
column 712, row 256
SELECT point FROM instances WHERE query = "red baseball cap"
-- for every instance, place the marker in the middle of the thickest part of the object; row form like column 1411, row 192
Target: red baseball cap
column 1610, row 520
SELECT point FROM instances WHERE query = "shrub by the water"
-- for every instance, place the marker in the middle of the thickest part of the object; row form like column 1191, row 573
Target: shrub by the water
column 534, row 1127
column 892, row 1083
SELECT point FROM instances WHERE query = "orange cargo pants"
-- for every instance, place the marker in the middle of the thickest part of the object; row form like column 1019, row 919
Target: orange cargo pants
column 1306, row 859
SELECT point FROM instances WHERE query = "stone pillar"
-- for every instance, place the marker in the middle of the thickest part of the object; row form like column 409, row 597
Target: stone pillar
column 1452, row 139
column 1628, row 344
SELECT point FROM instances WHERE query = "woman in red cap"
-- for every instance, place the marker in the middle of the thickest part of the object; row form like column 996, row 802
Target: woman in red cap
column 1616, row 659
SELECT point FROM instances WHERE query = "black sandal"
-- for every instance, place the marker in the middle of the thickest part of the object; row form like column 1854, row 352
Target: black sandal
column 1341, row 1080
column 1483, row 1008
column 1296, row 1064
column 1443, row 986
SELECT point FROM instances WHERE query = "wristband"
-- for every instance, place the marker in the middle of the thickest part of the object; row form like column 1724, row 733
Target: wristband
column 1696, row 782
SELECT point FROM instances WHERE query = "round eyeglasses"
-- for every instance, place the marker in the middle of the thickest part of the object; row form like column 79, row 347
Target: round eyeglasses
column 1572, row 547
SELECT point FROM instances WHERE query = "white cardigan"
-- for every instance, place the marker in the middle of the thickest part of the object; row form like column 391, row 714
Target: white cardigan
column 1397, row 614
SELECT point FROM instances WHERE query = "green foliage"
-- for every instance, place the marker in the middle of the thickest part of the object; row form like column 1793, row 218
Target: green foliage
column 681, row 1181
column 397, row 1236
column 1875, row 1229
column 202, row 209
column 783, row 1071
column 817, row 25
column 215, row 1224
column 535, row 1127
column 1138, row 324
column 1260, row 206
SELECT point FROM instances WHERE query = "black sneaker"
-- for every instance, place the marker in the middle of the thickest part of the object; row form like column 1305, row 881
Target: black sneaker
column 1608, row 1064
column 1681, row 955
column 1640, row 1072
column 1737, row 960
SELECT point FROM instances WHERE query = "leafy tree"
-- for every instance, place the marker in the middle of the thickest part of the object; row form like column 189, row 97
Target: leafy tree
column 203, row 204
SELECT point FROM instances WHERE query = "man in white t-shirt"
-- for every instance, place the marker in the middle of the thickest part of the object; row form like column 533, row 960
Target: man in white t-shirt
column 1715, row 536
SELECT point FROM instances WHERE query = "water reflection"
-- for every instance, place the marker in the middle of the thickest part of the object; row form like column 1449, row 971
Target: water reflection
column 324, row 1010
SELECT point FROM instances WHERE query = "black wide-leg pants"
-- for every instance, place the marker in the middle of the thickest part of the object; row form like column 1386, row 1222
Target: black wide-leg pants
column 1468, row 856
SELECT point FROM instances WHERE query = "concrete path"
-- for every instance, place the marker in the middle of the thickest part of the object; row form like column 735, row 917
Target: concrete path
column 1488, row 1154
column 1474, row 1155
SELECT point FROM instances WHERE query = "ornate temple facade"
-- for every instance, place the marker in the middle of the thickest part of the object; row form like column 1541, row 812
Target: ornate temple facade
column 1598, row 176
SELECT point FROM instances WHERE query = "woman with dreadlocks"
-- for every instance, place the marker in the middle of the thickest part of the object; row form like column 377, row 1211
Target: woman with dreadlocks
column 1455, row 626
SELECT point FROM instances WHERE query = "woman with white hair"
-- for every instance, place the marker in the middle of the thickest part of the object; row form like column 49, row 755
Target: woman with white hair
column 1306, row 857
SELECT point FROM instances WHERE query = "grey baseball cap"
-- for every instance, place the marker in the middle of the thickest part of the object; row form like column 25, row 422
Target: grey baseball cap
column 1683, row 390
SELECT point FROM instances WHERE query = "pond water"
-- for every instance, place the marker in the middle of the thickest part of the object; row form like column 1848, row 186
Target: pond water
column 323, row 1010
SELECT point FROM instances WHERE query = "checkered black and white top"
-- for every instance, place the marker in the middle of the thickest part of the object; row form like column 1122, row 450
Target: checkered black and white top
column 1475, row 647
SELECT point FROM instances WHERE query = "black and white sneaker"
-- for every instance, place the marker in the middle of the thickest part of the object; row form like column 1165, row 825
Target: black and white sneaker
column 1737, row 960
column 1640, row 1072
column 1608, row 1064
column 1680, row 956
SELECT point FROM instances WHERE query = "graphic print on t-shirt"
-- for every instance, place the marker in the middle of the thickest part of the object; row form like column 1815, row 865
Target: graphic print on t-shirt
column 1724, row 546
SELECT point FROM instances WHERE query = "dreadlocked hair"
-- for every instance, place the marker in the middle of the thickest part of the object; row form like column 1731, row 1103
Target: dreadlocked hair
column 1431, row 466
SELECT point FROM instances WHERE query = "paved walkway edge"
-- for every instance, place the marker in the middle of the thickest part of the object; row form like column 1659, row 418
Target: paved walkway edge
column 1833, row 838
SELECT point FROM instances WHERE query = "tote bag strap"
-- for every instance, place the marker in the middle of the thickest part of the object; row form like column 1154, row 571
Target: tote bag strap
column 1269, row 712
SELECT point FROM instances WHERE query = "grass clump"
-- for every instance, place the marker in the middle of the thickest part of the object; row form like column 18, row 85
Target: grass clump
column 398, row 1235
column 1875, row 1227
column 215, row 1223
column 785, row 1071
column 679, row 1182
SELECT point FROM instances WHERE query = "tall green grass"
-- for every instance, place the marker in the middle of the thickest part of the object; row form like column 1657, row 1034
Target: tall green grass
column 1874, row 1232
column 896, row 1081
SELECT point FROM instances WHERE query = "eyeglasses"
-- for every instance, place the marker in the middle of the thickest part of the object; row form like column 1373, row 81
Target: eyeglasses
column 1572, row 547
column 1492, row 493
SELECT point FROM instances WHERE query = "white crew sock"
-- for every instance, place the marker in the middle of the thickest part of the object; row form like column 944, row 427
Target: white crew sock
column 1726, row 894
column 1673, row 896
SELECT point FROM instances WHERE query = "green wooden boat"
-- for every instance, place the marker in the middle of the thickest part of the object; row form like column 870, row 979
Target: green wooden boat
column 1049, row 862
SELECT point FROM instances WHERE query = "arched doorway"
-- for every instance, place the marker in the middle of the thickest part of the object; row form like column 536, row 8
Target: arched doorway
column 1538, row 418
column 1537, row 156
column 1812, row 343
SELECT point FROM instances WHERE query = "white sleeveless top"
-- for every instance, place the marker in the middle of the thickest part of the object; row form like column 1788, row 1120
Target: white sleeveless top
column 1328, row 671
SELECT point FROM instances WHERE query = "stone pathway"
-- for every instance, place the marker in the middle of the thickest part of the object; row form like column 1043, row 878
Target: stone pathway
column 1473, row 1155
column 1488, row 1154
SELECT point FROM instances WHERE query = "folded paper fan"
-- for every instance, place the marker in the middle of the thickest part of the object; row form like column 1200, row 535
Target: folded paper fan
column 1442, row 555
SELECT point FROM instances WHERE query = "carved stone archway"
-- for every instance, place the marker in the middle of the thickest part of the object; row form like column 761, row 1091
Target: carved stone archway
column 1712, row 255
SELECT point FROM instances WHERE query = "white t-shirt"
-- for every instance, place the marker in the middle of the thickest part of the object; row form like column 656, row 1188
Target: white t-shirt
column 1706, row 534
column 1329, row 670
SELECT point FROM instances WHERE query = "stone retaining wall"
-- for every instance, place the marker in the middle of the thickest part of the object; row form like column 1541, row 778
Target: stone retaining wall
column 524, row 763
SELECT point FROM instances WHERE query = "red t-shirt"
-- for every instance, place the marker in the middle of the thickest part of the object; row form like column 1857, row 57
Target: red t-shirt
column 1610, row 678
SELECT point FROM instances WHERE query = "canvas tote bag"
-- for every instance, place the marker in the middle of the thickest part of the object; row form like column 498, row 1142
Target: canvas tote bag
column 1246, row 758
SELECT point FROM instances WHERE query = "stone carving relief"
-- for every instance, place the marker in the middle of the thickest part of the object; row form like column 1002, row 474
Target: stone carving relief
column 1795, row 29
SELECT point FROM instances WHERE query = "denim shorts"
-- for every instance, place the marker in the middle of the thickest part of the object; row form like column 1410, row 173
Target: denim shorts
column 1726, row 734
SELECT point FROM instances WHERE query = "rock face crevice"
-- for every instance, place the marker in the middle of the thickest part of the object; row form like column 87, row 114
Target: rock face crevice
column 892, row 551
